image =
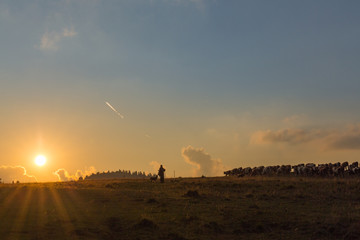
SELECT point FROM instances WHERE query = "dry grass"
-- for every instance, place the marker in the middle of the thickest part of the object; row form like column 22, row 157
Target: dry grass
column 193, row 208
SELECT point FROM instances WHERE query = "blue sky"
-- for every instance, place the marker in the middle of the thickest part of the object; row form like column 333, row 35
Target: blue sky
column 209, row 74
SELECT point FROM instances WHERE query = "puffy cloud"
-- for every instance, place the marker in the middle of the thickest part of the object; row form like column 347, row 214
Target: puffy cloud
column 63, row 175
column 50, row 40
column 155, row 166
column 202, row 162
column 86, row 172
column 15, row 173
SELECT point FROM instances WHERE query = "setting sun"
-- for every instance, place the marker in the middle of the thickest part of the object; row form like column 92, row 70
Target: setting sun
column 40, row 160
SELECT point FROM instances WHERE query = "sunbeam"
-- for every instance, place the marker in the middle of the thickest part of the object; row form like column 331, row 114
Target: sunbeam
column 7, row 204
column 65, row 220
column 23, row 208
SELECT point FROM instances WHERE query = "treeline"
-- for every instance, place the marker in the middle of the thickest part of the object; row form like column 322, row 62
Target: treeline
column 119, row 174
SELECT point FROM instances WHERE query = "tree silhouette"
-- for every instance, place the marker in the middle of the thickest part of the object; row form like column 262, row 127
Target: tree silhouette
column 119, row 174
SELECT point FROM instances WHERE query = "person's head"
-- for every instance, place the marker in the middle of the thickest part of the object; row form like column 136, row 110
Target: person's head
column 160, row 165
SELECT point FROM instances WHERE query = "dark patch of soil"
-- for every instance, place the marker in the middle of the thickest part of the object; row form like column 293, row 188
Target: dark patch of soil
column 353, row 231
column 113, row 185
column 151, row 200
column 214, row 227
column 193, row 194
column 174, row 236
column 249, row 195
column 254, row 206
column 190, row 219
column 253, row 227
column 146, row 224
column 114, row 224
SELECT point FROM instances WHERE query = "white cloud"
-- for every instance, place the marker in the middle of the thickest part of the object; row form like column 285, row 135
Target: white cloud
column 50, row 40
column 202, row 162
column 63, row 175
column 15, row 173
column 86, row 172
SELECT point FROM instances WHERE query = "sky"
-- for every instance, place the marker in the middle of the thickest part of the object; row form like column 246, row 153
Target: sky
column 200, row 86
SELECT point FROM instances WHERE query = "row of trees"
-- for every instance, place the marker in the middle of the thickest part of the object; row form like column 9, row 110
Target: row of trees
column 119, row 174
column 13, row 182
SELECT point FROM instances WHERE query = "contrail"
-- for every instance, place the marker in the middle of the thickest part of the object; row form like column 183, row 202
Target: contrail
column 112, row 108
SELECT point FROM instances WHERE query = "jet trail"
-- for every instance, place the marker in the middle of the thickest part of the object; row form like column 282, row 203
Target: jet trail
column 112, row 108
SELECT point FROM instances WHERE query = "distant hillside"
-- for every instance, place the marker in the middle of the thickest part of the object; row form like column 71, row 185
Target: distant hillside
column 119, row 174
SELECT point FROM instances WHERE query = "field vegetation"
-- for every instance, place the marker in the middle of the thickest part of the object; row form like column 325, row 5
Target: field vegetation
column 188, row 208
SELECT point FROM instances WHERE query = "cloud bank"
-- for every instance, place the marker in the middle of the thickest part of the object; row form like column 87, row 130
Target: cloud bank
column 50, row 40
column 345, row 138
column 63, row 175
column 349, row 139
column 291, row 136
column 15, row 173
column 202, row 162
column 349, row 142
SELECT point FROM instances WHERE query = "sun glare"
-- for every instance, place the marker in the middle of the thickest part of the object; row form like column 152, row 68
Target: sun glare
column 40, row 160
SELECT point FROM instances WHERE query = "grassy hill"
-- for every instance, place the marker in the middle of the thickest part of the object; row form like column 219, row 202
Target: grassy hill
column 192, row 208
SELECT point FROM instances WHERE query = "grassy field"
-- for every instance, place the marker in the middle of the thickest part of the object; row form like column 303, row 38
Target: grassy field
column 193, row 208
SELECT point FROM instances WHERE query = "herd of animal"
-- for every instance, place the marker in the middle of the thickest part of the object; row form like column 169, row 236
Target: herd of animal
column 310, row 169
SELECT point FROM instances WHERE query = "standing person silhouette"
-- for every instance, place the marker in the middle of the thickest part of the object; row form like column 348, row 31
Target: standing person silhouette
column 161, row 173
